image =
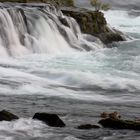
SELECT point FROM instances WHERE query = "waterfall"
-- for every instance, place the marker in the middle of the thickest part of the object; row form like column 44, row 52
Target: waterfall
column 26, row 29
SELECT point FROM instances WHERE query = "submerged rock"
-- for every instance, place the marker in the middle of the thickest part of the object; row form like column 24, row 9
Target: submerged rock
column 119, row 124
column 7, row 116
column 88, row 126
column 50, row 119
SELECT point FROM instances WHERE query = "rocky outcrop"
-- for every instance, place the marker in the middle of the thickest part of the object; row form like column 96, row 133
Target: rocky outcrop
column 7, row 116
column 58, row 2
column 50, row 119
column 89, row 21
column 94, row 23
column 120, row 124
column 88, row 126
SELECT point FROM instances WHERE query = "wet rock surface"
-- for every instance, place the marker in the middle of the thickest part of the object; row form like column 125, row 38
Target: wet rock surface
column 7, row 116
column 120, row 124
column 50, row 119
column 88, row 126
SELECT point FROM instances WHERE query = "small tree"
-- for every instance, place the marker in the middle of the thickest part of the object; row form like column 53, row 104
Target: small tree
column 99, row 5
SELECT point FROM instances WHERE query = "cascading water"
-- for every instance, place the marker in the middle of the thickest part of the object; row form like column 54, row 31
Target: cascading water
column 46, row 66
column 39, row 30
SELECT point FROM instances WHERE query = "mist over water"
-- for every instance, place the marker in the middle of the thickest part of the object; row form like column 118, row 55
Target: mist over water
column 44, row 66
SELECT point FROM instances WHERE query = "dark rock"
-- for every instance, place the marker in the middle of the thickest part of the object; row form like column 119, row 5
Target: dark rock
column 120, row 124
column 110, row 37
column 64, row 21
column 7, row 116
column 50, row 119
column 88, row 126
column 94, row 23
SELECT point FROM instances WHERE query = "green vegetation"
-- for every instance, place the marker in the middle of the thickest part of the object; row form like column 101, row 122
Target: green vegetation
column 99, row 5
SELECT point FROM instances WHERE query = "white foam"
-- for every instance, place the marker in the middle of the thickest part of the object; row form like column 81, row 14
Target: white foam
column 72, row 76
column 71, row 138
column 122, row 21
column 21, row 128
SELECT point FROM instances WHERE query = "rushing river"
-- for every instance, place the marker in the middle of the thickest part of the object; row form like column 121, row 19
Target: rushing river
column 41, row 70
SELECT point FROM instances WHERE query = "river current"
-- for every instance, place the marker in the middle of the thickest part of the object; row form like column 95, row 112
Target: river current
column 76, row 85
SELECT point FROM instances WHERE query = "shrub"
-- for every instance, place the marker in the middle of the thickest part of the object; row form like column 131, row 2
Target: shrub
column 99, row 5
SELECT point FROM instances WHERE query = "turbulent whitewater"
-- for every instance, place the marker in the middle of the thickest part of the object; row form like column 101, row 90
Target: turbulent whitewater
column 44, row 66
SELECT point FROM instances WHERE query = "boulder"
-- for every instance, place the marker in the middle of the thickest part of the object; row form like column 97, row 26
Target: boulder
column 7, row 116
column 120, row 124
column 88, row 126
column 50, row 119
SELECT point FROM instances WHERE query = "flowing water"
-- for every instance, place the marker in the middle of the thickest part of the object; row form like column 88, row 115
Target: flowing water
column 45, row 66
